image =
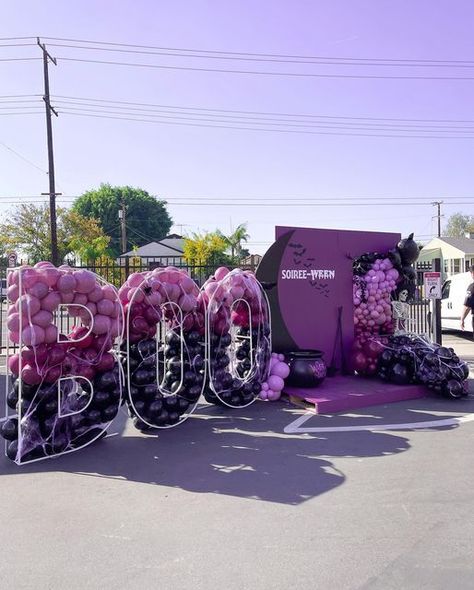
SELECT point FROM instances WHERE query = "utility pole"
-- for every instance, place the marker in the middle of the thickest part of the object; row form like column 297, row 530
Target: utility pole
column 122, row 214
column 123, row 227
column 438, row 204
column 49, row 132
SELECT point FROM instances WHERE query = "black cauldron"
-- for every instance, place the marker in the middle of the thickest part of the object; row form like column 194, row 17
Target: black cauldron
column 307, row 368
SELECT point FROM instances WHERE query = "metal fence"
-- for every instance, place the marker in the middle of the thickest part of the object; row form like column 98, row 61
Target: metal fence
column 421, row 317
column 116, row 273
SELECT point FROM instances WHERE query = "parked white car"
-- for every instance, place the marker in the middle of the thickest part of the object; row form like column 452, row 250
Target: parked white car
column 452, row 301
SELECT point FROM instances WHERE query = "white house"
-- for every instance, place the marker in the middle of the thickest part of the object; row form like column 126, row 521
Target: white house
column 168, row 251
column 456, row 254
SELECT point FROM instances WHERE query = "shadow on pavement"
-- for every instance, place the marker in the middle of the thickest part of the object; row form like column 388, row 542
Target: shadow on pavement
column 241, row 453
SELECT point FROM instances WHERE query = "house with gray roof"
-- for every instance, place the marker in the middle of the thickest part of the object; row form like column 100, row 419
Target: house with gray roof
column 165, row 252
column 456, row 254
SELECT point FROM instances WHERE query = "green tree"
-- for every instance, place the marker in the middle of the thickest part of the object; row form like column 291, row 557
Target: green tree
column 201, row 249
column 28, row 229
column 234, row 241
column 147, row 218
column 458, row 224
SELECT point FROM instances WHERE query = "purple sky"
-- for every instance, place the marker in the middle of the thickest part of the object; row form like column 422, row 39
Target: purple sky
column 170, row 160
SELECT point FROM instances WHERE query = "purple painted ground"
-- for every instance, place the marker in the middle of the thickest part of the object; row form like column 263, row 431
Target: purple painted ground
column 339, row 394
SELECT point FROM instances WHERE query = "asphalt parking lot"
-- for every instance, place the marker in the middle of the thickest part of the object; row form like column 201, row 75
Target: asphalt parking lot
column 245, row 499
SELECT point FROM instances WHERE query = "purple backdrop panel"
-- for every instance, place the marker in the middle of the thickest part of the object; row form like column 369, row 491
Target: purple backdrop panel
column 315, row 279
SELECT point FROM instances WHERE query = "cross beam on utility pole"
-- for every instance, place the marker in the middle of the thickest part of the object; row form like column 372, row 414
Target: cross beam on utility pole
column 438, row 216
column 49, row 132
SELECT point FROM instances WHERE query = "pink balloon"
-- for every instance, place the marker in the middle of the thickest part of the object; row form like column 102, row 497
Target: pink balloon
column 51, row 334
column 33, row 335
column 273, row 395
column 106, row 307
column 173, row 292
column 67, row 297
column 85, row 281
column 39, row 290
column 220, row 273
column 237, row 292
column 263, row 395
column 108, row 292
column 187, row 284
column 51, row 301
column 14, row 336
column 187, row 303
column 14, row 364
column 56, row 355
column 135, row 279
column 275, row 383
column 80, row 298
column 66, row 283
column 13, row 293
column 174, row 276
column 53, row 374
column 154, row 298
column 29, row 276
column 281, row 370
column 96, row 294
column 136, row 295
column 30, row 375
column 28, row 304
column 13, row 322
column 43, row 318
column 50, row 275
column 101, row 325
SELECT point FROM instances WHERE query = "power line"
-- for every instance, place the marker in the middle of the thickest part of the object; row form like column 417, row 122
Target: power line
column 245, row 128
column 10, row 149
column 261, row 72
column 324, row 124
column 303, row 61
column 17, row 44
column 17, row 38
column 271, row 55
column 265, row 113
column 21, row 59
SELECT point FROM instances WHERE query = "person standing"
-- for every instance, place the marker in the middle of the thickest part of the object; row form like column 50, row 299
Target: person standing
column 469, row 302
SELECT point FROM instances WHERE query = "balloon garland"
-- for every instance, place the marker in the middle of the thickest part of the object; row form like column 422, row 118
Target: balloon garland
column 165, row 353
column 279, row 370
column 376, row 278
column 238, row 337
column 412, row 359
column 66, row 388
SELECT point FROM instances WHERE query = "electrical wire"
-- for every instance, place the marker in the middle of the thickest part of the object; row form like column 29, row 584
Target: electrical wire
column 10, row 149
column 264, row 113
column 303, row 61
column 261, row 72
column 325, row 124
column 272, row 55
column 21, row 59
column 245, row 128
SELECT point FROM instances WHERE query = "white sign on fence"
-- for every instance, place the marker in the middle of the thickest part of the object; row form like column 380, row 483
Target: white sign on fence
column 12, row 259
column 432, row 281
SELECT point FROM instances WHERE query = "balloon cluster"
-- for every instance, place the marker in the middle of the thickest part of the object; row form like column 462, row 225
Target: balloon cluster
column 165, row 357
column 376, row 278
column 279, row 370
column 238, row 337
column 412, row 359
column 65, row 387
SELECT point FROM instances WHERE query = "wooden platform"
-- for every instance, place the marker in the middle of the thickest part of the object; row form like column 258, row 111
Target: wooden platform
column 340, row 394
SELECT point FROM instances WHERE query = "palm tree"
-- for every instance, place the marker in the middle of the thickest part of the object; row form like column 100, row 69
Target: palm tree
column 234, row 241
